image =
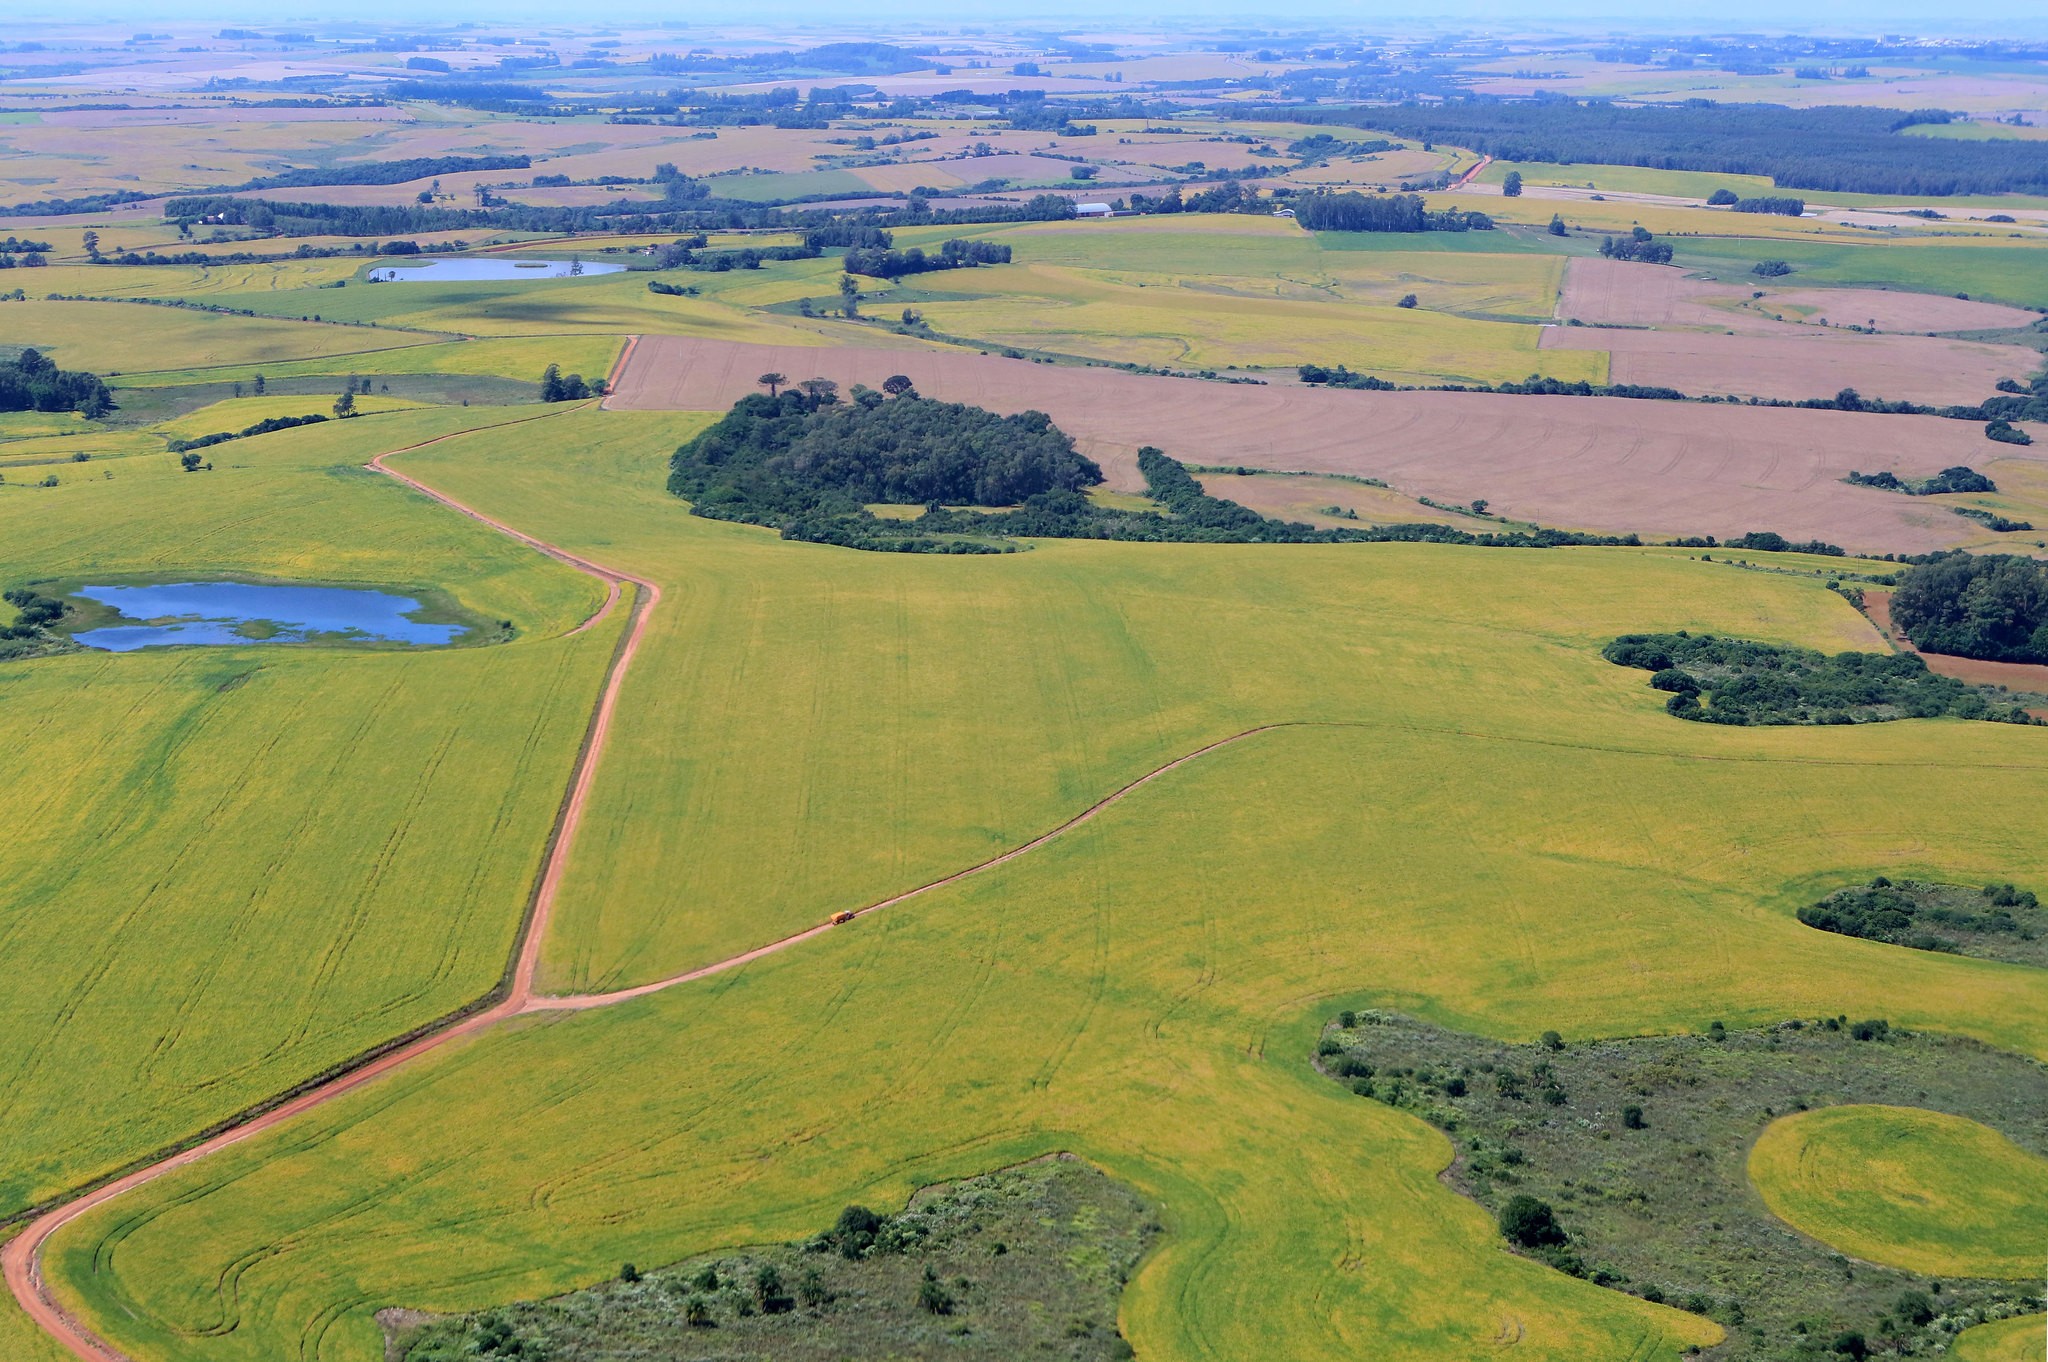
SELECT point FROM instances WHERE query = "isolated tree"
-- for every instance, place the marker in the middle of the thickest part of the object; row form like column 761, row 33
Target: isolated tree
column 697, row 1313
column 1512, row 185
column 897, row 384
column 345, row 405
column 1531, row 1223
column 772, row 382
column 1721, row 198
column 551, row 383
column 768, row 1288
column 823, row 392
column 849, row 295
column 1557, row 224
column 933, row 1298
column 1408, row 300
column 258, row 385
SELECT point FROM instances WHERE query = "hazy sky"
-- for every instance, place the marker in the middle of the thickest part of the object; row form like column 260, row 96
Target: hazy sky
column 1983, row 18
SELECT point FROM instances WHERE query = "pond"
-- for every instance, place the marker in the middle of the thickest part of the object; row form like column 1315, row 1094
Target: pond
column 235, row 613
column 455, row 271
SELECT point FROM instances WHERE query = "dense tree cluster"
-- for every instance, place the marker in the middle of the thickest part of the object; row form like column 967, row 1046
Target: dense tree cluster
column 1351, row 211
column 1958, row 478
column 1993, row 607
column 1838, row 147
column 1912, row 913
column 1734, row 681
column 884, row 263
column 1639, row 244
column 1772, row 203
column 34, row 612
column 32, row 382
column 556, row 387
column 805, row 456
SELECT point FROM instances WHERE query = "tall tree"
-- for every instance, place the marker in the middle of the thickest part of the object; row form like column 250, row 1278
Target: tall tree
column 772, row 382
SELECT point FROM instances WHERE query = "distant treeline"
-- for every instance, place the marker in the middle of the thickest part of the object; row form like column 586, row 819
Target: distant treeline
column 1352, row 211
column 31, row 381
column 808, row 464
column 384, row 172
column 883, row 263
column 1838, row 147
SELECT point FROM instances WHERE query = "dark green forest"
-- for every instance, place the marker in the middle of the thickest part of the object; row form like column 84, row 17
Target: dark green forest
column 32, row 382
column 1993, row 607
column 1837, row 147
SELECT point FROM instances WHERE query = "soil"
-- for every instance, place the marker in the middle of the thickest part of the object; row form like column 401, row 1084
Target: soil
column 1607, row 464
column 1819, row 363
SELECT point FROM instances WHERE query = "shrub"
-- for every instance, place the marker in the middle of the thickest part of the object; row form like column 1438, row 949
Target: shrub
column 854, row 1233
column 1407, row 300
column 1632, row 1118
column 1850, row 1344
column 629, row 1274
column 1531, row 1224
column 1915, row 1308
column 933, row 1298
column 1552, row 1041
column 1877, row 1028
column 1770, row 269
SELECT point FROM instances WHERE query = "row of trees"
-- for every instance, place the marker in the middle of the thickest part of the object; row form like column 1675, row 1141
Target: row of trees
column 1638, row 245
column 1351, row 211
column 884, row 263
column 557, row 387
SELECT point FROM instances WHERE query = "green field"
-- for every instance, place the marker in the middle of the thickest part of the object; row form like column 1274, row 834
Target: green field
column 2019, row 1339
column 2016, row 274
column 1921, row 1190
column 111, row 338
column 811, row 729
column 220, row 855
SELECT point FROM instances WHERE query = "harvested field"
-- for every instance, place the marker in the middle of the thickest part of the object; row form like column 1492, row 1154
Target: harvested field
column 1892, row 310
column 1818, row 364
column 1622, row 293
column 1600, row 463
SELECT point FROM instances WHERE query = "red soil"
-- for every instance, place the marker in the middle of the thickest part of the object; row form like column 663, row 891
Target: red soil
column 1595, row 463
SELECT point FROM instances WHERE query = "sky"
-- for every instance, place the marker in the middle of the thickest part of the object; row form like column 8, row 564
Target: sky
column 1979, row 18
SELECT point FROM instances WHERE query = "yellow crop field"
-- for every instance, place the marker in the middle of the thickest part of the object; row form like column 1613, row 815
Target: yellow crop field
column 2024, row 1338
column 117, row 338
column 1191, row 327
column 220, row 854
column 1146, row 989
column 1921, row 1190
column 521, row 357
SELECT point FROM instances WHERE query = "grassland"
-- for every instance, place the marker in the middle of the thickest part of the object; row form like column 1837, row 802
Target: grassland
column 1921, row 1190
column 114, row 338
column 220, row 855
column 2013, row 273
column 814, row 729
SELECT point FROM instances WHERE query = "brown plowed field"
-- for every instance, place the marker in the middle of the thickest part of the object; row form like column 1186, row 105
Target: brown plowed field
column 1897, row 310
column 1623, row 293
column 1595, row 463
column 1818, row 363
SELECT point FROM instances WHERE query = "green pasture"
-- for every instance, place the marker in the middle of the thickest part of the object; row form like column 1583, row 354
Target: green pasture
column 233, row 867
column 1477, row 821
column 2016, row 274
column 1919, row 1190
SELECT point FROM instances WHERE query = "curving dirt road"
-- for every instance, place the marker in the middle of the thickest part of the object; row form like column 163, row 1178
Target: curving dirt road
column 21, row 1257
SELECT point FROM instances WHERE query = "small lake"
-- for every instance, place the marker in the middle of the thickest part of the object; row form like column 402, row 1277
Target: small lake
column 454, row 271
column 235, row 613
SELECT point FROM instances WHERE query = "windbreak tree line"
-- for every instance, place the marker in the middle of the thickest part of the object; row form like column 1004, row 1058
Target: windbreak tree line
column 1836, row 147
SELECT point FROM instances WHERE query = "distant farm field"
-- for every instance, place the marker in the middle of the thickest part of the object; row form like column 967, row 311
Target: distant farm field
column 131, row 337
column 1145, row 990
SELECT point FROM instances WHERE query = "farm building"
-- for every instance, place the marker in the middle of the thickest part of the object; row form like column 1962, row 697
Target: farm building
column 1094, row 210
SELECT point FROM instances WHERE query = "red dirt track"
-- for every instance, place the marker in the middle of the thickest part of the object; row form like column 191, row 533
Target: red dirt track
column 1659, row 468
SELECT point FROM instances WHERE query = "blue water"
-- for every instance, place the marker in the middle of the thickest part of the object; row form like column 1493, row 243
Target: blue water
column 203, row 613
column 451, row 271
